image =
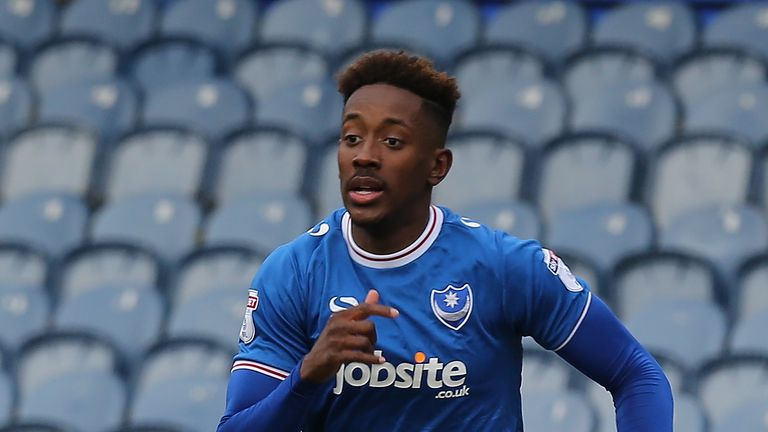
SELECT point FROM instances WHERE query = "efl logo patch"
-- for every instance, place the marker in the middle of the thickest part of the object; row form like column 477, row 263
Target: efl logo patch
column 559, row 269
column 452, row 306
column 248, row 329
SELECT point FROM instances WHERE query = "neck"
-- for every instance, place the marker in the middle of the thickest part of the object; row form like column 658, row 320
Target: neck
column 390, row 237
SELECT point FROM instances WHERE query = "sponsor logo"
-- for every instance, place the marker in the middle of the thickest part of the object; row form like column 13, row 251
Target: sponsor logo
column 452, row 306
column 424, row 373
column 559, row 269
column 338, row 304
column 248, row 329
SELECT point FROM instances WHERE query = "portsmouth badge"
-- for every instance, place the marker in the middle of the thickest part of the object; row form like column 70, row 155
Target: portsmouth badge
column 452, row 306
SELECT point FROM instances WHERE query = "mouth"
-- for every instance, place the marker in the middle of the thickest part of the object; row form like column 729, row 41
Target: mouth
column 364, row 190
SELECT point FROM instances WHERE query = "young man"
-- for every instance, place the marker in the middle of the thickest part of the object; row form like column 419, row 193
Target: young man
column 397, row 315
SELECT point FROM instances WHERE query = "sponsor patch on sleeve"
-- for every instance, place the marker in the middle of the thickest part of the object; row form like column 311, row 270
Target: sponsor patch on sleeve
column 558, row 268
column 248, row 329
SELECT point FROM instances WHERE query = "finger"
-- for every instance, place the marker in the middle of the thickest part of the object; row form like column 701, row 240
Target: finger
column 372, row 297
column 358, row 342
column 348, row 356
column 365, row 328
column 367, row 309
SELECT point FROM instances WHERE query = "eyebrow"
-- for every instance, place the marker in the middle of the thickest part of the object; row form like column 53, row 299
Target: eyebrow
column 388, row 120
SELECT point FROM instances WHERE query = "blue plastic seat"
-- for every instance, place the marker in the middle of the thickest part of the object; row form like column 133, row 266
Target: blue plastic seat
column 485, row 167
column 162, row 159
column 309, row 108
column 260, row 160
column 646, row 113
column 227, row 25
column 263, row 222
column 442, row 28
column 753, row 288
column 16, row 105
column 7, row 392
column 740, row 109
column 749, row 334
column 71, row 379
column 552, row 28
column 680, row 176
column 210, row 293
column 688, row 331
column 749, row 416
column 107, row 105
column 264, row 69
column 22, row 265
column 707, row 71
column 34, row 426
column 327, row 190
column 514, row 217
column 530, row 109
column 65, row 154
column 182, row 384
column 741, row 26
column 599, row 68
column 166, row 224
column 165, row 61
column 124, row 23
column 9, row 60
column 50, row 222
column 557, row 410
column 544, row 371
column 481, row 68
column 27, row 23
column 729, row 385
column 604, row 233
column 644, row 280
column 689, row 415
column 328, row 26
column 724, row 234
column 584, row 169
column 665, row 29
column 24, row 311
column 65, row 61
column 213, row 107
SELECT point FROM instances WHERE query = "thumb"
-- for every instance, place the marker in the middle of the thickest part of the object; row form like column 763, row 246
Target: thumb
column 372, row 297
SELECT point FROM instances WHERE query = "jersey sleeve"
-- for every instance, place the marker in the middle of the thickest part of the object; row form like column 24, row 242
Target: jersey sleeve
column 272, row 337
column 543, row 298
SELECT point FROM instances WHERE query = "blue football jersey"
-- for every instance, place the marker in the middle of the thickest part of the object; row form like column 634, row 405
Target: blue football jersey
column 467, row 294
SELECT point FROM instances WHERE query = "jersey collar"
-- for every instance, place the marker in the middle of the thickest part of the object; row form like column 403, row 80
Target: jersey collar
column 399, row 258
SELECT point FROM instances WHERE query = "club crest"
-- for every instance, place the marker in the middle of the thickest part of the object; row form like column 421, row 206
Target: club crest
column 452, row 306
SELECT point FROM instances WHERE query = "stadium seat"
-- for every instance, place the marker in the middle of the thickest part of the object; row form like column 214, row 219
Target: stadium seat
column 544, row 371
column 71, row 379
column 486, row 167
column 65, row 154
column 707, row 71
column 328, row 190
column 227, row 25
column 730, row 384
column 602, row 401
column 50, row 222
column 27, row 23
column 751, row 416
column 748, row 336
column 530, row 109
column 166, row 224
column 182, row 384
column 689, row 416
column 687, row 331
column 260, row 160
column 165, row 61
column 642, row 281
column 442, row 28
column 664, row 29
column 604, row 233
column 348, row 57
column 753, row 294
column 736, row 110
column 514, row 217
column 741, row 26
column 65, row 61
column 553, row 28
column 24, row 311
column 481, row 68
column 262, row 222
column 584, row 169
column 22, row 265
column 680, row 177
column 646, row 113
column 266, row 68
column 328, row 26
column 9, row 60
column 557, row 410
column 35, row 427
column 213, row 107
column 726, row 235
column 311, row 108
column 6, row 396
column 17, row 104
column 162, row 159
column 597, row 68
column 123, row 23
column 210, row 293
column 107, row 105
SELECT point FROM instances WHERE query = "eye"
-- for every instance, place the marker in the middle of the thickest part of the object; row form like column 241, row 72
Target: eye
column 392, row 142
column 352, row 139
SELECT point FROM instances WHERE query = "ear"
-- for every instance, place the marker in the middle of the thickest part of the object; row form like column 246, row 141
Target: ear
column 440, row 166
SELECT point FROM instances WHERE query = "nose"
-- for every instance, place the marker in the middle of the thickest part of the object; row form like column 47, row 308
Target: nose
column 367, row 155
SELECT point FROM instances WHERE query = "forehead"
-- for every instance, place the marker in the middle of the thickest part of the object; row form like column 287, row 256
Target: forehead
column 384, row 100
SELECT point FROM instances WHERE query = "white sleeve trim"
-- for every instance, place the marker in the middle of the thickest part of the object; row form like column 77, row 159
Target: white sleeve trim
column 578, row 323
column 260, row 368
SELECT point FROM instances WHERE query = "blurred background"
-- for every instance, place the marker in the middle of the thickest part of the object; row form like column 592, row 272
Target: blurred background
column 152, row 153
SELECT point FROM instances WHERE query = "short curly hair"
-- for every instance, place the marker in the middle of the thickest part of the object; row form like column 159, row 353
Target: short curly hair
column 406, row 71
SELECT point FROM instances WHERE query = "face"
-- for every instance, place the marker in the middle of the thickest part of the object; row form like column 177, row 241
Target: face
column 389, row 156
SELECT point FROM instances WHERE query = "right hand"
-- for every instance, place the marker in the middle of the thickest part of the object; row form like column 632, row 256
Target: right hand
column 347, row 337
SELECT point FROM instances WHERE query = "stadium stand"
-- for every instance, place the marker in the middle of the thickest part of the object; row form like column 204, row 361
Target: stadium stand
column 123, row 23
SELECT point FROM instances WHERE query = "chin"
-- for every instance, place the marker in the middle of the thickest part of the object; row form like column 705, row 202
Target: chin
column 366, row 216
